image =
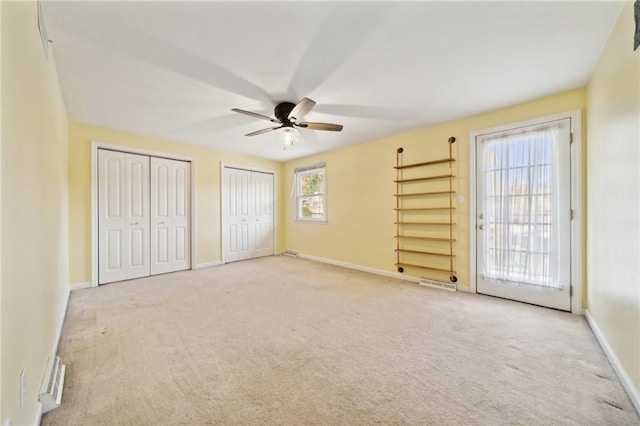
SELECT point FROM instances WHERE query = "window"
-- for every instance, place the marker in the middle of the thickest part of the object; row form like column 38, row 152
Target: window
column 310, row 193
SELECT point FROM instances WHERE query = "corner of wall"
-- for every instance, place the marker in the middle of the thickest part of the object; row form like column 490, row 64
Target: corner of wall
column 627, row 383
column 613, row 200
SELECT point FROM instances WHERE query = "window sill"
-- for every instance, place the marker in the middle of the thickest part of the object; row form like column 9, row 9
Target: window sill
column 317, row 221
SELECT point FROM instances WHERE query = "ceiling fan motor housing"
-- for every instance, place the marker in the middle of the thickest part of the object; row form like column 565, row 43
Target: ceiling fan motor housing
column 282, row 111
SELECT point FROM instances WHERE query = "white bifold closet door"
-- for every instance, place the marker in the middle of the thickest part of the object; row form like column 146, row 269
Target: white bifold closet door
column 248, row 214
column 123, row 223
column 170, row 213
column 143, row 216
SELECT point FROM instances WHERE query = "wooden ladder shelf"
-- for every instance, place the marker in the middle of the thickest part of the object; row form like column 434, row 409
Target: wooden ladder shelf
column 427, row 189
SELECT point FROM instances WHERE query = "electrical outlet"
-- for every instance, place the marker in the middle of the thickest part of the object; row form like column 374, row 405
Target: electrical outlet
column 395, row 254
column 8, row 421
column 23, row 386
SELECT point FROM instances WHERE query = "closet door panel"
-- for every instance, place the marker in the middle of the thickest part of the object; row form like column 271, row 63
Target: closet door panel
column 181, row 214
column 236, row 231
column 137, row 184
column 170, row 215
column 263, row 218
column 248, row 214
column 123, row 216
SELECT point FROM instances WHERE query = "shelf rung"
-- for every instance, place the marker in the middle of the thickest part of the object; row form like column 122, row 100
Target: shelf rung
column 424, row 178
column 423, row 223
column 425, row 208
column 426, row 252
column 425, row 267
column 414, row 237
column 424, row 193
column 426, row 163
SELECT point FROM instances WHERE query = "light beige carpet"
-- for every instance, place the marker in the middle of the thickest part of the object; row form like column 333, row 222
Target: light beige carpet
column 286, row 341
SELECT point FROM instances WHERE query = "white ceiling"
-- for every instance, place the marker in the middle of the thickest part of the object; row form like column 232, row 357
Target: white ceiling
column 175, row 69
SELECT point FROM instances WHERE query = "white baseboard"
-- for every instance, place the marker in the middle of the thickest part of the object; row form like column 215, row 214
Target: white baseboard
column 38, row 415
column 65, row 304
column 627, row 384
column 80, row 286
column 359, row 268
column 208, row 264
column 370, row 270
column 60, row 325
column 63, row 314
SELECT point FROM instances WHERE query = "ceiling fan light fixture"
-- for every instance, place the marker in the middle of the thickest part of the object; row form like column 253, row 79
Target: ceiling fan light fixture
column 290, row 135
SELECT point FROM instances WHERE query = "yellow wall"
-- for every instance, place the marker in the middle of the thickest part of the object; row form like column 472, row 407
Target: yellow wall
column 207, row 190
column 613, row 104
column 360, row 188
column 35, row 281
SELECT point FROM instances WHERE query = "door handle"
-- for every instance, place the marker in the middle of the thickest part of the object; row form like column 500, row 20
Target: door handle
column 160, row 223
column 481, row 227
column 136, row 223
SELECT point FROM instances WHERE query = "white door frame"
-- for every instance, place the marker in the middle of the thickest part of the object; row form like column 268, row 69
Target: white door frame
column 223, row 203
column 95, row 146
column 576, row 200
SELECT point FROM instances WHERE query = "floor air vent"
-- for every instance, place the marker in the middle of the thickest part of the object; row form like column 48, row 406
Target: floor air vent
column 291, row 253
column 438, row 284
column 52, row 383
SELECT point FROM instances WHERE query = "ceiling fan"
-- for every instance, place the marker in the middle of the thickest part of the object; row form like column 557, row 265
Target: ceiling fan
column 289, row 116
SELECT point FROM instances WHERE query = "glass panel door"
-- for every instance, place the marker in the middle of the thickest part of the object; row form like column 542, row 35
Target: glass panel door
column 523, row 206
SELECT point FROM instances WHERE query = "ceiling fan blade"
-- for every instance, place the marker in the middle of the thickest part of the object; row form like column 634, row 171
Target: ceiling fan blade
column 321, row 126
column 254, row 114
column 259, row 132
column 301, row 109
